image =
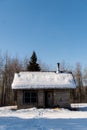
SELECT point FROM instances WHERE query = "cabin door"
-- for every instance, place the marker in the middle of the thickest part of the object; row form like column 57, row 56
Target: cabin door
column 48, row 99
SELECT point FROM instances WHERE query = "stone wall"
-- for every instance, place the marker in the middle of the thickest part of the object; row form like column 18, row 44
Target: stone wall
column 61, row 98
column 41, row 98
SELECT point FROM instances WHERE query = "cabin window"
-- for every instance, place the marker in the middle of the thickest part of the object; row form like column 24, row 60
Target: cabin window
column 30, row 97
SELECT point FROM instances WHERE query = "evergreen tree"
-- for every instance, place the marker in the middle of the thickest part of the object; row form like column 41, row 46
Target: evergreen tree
column 33, row 65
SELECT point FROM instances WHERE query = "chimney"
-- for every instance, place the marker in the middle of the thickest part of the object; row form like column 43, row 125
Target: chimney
column 58, row 67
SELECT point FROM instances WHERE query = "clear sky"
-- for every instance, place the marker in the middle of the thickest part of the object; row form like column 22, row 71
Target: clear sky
column 55, row 29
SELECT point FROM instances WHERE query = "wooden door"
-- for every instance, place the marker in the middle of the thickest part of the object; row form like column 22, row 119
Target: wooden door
column 49, row 99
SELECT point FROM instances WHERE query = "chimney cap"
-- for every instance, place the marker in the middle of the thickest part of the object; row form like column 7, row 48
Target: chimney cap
column 58, row 63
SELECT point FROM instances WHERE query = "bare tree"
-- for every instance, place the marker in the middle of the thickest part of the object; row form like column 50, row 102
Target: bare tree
column 79, row 90
column 65, row 66
column 25, row 63
column 11, row 65
column 78, row 74
column 44, row 66
column 1, row 77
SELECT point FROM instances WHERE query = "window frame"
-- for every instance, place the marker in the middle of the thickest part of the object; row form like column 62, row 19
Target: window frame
column 30, row 97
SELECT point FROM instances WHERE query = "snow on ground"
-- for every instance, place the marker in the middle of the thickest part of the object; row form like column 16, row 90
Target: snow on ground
column 43, row 119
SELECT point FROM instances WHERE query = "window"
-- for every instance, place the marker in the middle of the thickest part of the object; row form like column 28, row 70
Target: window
column 30, row 97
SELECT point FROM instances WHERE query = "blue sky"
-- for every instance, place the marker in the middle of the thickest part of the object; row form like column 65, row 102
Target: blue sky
column 55, row 29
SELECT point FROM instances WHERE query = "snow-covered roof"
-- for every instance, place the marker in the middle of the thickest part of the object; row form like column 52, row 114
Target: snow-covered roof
column 36, row 80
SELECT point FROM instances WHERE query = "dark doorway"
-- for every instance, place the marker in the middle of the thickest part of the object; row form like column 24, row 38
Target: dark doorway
column 48, row 99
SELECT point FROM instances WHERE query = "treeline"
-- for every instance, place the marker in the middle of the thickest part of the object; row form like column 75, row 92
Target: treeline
column 10, row 65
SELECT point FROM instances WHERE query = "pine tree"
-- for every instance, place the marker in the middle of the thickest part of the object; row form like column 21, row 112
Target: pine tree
column 33, row 65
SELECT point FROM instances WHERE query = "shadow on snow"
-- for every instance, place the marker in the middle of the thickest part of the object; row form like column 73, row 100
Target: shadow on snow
column 13, row 123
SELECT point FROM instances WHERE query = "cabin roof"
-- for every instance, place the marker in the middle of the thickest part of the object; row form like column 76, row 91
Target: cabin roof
column 43, row 80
